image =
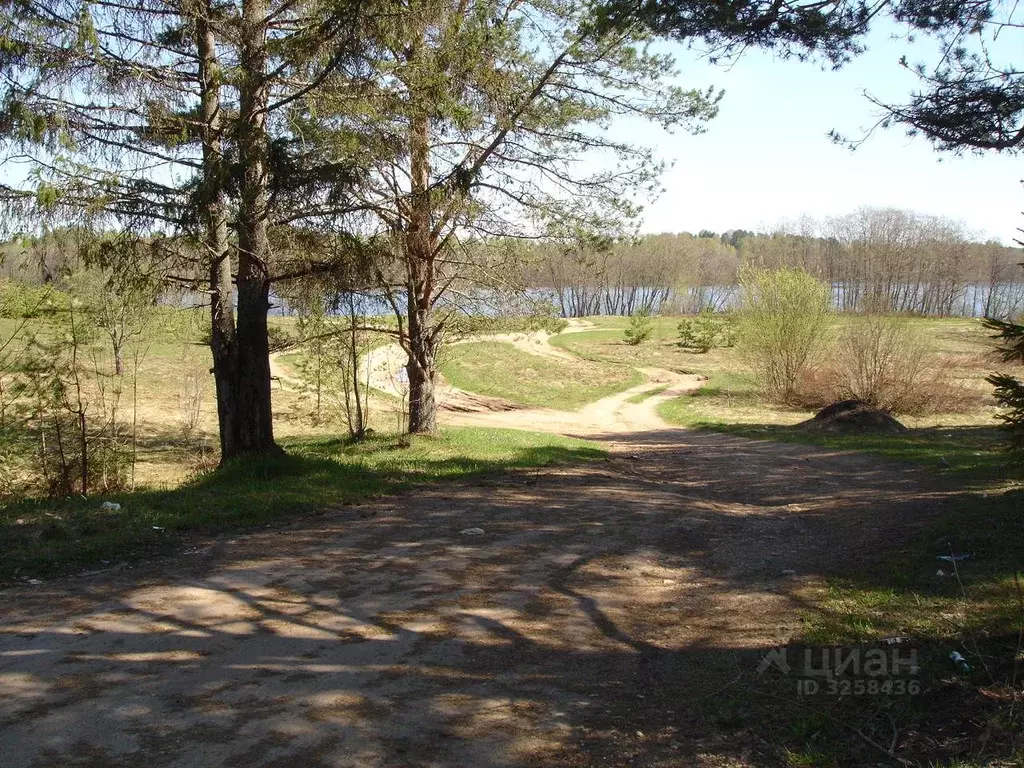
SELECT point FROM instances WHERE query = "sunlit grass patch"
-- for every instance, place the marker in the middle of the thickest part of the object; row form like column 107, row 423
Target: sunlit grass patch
column 640, row 397
column 502, row 370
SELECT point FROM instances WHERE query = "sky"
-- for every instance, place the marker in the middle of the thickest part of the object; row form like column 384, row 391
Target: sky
column 767, row 156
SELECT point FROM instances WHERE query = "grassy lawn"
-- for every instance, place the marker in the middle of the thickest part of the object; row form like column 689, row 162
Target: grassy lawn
column 975, row 450
column 660, row 351
column 51, row 537
column 502, row 370
column 728, row 398
column 729, row 403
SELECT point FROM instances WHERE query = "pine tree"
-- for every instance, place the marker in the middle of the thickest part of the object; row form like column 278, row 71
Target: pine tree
column 496, row 109
column 1009, row 390
column 193, row 126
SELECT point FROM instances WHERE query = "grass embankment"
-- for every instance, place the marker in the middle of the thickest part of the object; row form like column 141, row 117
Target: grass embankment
column 915, row 603
column 728, row 403
column 502, row 370
column 49, row 537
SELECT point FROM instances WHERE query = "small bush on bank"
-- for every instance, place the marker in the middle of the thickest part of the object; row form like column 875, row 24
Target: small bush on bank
column 706, row 331
column 641, row 326
column 782, row 325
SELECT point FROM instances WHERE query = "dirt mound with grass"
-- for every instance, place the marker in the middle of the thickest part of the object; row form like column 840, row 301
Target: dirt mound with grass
column 852, row 417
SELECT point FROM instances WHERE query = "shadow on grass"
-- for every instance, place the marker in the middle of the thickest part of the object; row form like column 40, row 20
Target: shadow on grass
column 976, row 450
column 917, row 591
column 43, row 537
column 920, row 591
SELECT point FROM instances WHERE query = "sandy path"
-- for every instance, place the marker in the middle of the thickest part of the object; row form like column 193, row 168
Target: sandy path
column 609, row 416
column 537, row 342
column 595, row 622
column 281, row 378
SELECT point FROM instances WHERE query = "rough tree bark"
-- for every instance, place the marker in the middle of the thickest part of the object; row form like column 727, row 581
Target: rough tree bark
column 420, row 248
column 252, row 407
column 215, row 234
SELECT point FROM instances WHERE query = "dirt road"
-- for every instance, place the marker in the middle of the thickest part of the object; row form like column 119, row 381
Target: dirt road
column 599, row 619
column 609, row 416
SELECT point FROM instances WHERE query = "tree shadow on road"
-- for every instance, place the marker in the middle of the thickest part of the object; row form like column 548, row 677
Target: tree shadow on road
column 612, row 613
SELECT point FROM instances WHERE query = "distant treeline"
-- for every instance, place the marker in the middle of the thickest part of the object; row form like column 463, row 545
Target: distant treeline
column 876, row 260
column 880, row 260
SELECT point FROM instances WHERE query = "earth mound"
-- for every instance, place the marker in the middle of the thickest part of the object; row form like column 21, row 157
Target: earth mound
column 853, row 417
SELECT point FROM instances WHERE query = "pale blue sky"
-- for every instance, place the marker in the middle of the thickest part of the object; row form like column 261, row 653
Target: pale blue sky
column 767, row 156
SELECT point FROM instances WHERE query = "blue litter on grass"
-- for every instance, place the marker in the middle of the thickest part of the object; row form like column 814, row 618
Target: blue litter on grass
column 952, row 558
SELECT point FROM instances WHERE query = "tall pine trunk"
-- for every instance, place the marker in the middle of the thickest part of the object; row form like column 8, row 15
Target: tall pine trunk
column 421, row 369
column 420, row 272
column 252, row 406
column 215, row 225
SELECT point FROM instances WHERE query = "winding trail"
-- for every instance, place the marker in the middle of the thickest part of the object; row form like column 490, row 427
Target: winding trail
column 612, row 414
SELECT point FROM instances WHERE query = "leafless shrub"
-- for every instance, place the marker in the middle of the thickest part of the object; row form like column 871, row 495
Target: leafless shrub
column 882, row 360
column 202, row 455
column 73, row 410
column 355, row 393
column 815, row 388
column 191, row 391
column 885, row 361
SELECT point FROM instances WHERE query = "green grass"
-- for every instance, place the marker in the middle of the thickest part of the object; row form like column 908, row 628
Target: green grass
column 975, row 450
column 661, row 350
column 905, row 596
column 8, row 326
column 727, row 384
column 725, row 397
column 502, row 370
column 639, row 397
column 970, row 449
column 48, row 537
column 979, row 613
